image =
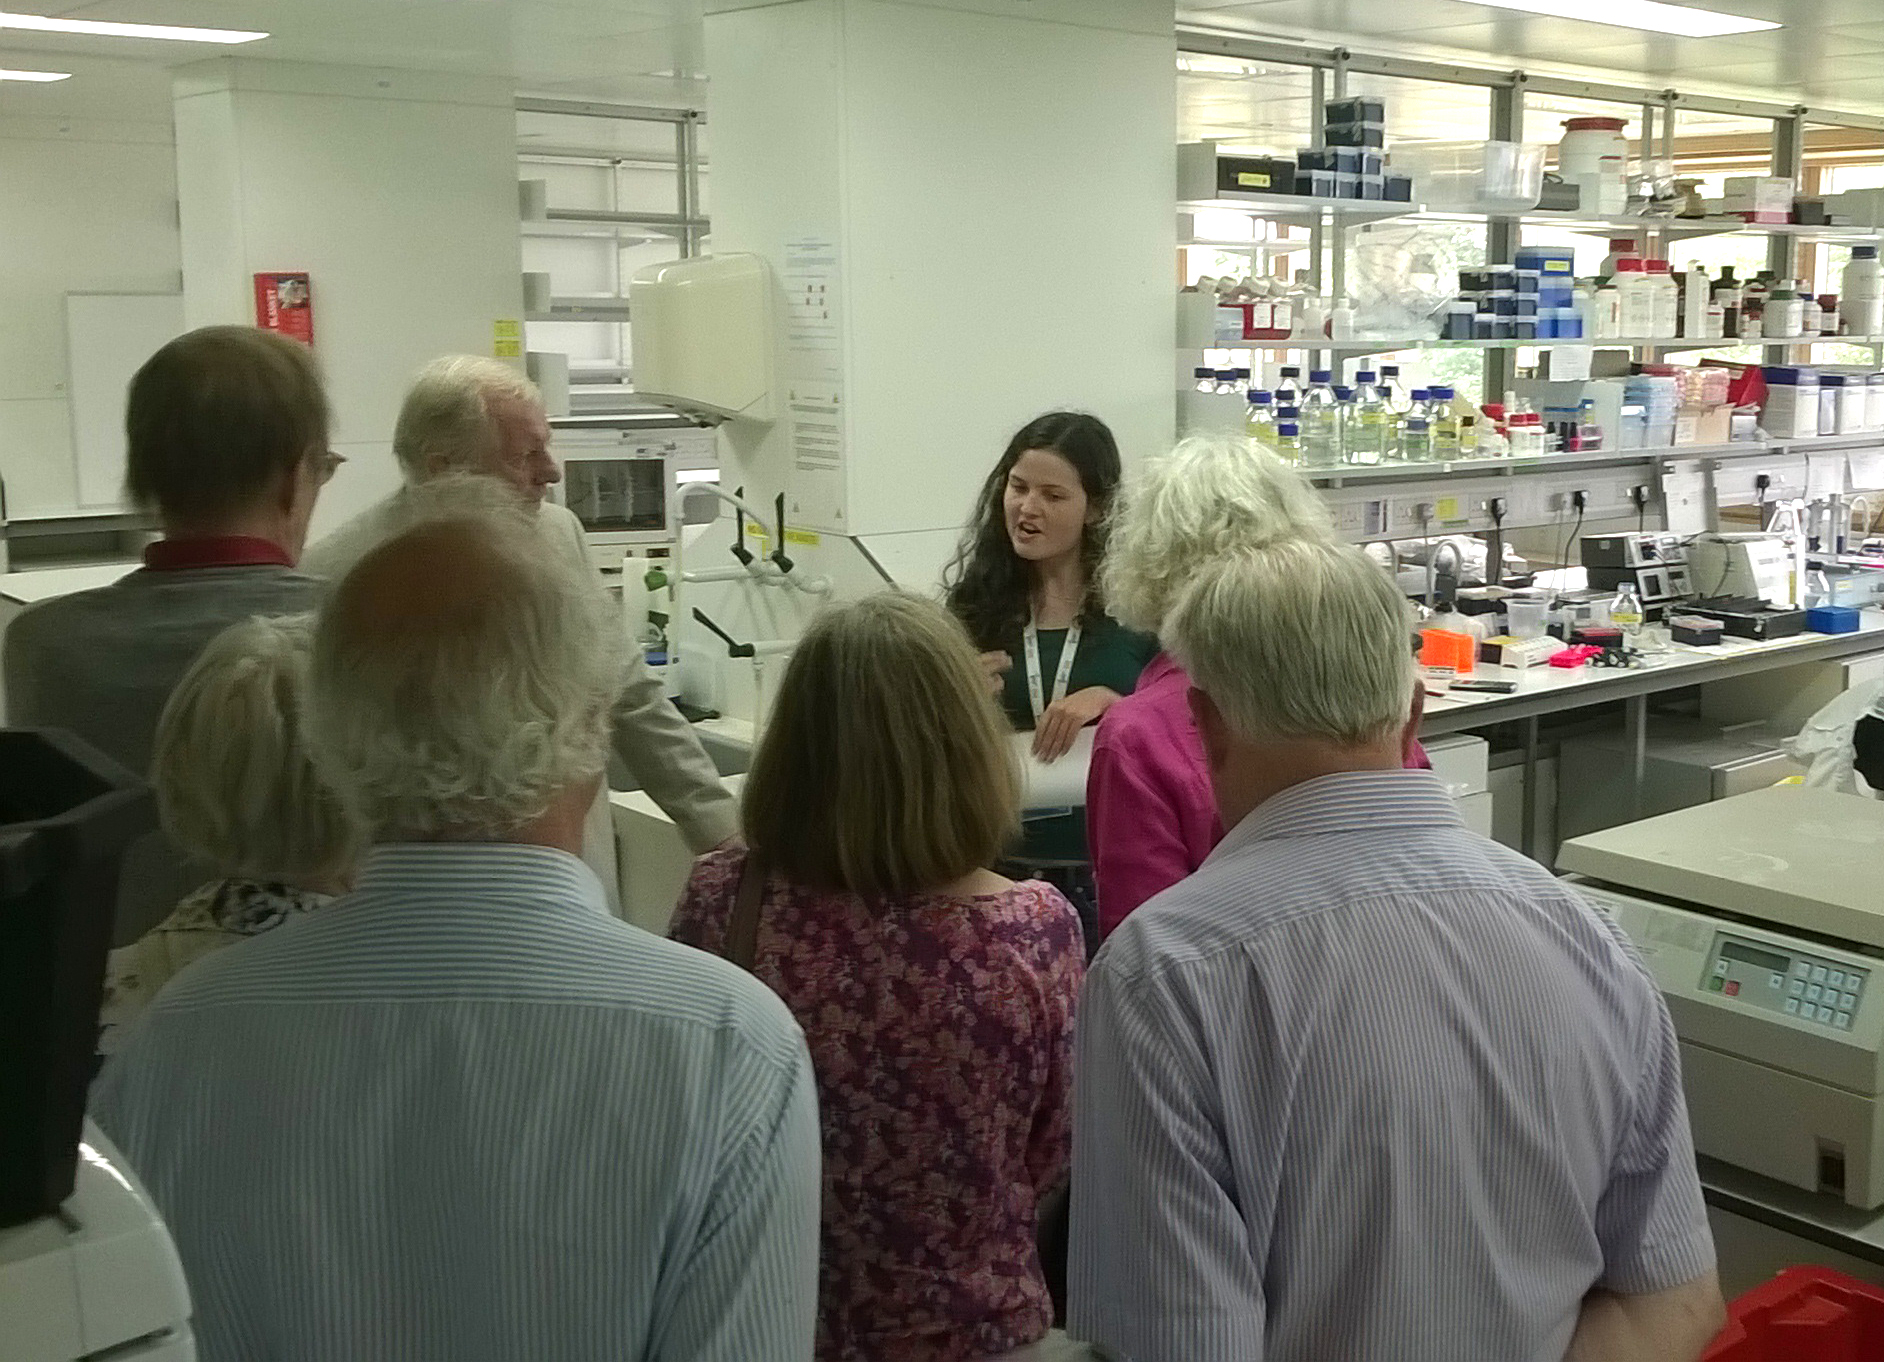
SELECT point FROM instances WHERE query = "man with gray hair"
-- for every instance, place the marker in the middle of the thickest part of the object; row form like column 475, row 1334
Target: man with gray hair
column 466, row 414
column 1368, row 1085
column 462, row 1111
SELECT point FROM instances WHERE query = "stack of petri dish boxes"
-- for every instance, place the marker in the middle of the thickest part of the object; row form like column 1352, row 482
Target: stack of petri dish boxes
column 1351, row 162
column 1531, row 299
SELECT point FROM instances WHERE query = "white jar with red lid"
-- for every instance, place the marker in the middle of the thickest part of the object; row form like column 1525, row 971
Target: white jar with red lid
column 1594, row 155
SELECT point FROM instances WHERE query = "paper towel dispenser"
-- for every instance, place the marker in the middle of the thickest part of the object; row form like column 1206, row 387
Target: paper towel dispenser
column 703, row 336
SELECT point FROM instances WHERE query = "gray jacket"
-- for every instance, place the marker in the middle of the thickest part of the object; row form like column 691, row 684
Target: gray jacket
column 102, row 664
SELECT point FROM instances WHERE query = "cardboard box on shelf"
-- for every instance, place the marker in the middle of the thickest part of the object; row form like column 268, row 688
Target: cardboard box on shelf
column 1711, row 425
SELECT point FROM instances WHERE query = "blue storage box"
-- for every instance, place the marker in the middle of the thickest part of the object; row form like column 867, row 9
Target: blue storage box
column 1832, row 619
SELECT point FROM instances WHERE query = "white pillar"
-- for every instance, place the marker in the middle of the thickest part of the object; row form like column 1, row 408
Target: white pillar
column 987, row 198
column 396, row 192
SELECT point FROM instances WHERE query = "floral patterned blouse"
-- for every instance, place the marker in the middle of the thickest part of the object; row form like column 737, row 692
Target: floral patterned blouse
column 941, row 1029
column 218, row 914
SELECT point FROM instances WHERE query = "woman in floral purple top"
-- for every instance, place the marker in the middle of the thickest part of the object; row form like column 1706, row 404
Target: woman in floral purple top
column 936, row 996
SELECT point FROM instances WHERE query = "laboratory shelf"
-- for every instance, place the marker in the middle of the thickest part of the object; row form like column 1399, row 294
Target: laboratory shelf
column 1257, row 247
column 1395, row 345
column 1302, row 208
column 583, row 309
column 1544, row 463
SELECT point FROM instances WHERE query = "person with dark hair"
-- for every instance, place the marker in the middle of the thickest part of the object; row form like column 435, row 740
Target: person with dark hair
column 1026, row 583
column 226, row 441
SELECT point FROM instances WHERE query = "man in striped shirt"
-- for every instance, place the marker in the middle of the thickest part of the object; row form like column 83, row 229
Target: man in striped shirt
column 1367, row 1085
column 462, row 1112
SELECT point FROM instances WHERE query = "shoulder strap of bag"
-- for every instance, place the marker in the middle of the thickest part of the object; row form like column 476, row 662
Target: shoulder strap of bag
column 742, row 933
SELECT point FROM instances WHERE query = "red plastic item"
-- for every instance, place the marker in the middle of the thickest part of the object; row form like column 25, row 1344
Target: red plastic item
column 1805, row 1314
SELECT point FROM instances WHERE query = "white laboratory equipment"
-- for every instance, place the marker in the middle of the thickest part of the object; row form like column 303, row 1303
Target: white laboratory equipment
column 1749, row 566
column 622, row 481
column 1760, row 918
column 703, row 334
column 99, row 1279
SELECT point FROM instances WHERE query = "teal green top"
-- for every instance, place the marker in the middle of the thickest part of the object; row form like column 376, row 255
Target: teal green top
column 1109, row 655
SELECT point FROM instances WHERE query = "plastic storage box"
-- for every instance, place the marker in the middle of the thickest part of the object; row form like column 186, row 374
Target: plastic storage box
column 1473, row 177
column 1805, row 1314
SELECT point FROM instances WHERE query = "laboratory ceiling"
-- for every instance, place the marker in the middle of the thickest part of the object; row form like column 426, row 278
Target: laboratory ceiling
column 647, row 51
column 1828, row 53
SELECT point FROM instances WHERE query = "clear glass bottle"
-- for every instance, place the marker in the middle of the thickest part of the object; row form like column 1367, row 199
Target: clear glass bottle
column 1399, row 400
column 1206, row 378
column 1344, row 421
column 1259, row 422
column 1416, row 441
column 1468, row 437
column 1625, row 611
column 1370, row 429
column 1445, row 425
column 1288, row 442
column 1226, row 381
column 1321, row 434
column 1289, row 386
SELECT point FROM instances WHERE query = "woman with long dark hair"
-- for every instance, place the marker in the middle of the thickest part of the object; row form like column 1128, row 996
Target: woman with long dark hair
column 1025, row 582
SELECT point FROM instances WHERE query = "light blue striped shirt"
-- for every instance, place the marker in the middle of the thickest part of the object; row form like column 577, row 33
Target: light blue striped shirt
column 462, row 1113
column 1370, row 1086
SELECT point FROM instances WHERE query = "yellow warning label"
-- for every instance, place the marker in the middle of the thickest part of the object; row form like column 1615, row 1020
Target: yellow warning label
column 507, row 339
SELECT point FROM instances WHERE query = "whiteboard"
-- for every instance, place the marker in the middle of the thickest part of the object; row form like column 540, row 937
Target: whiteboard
column 108, row 337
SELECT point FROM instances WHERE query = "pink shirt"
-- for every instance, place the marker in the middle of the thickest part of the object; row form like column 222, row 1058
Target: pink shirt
column 1151, row 814
column 941, row 1031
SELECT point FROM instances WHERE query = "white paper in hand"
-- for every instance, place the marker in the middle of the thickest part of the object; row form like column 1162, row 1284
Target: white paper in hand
column 1054, row 785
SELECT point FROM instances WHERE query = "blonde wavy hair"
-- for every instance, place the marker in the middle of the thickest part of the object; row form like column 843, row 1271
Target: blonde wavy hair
column 1211, row 495
column 234, row 780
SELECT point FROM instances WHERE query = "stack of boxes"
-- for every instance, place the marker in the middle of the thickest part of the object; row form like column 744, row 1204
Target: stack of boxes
column 1655, row 393
column 1792, row 401
column 1703, row 416
column 1351, row 163
column 1531, row 299
column 1802, row 401
column 1756, row 198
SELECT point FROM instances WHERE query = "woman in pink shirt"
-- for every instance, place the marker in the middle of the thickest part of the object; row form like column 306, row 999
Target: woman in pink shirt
column 936, row 996
column 1151, row 815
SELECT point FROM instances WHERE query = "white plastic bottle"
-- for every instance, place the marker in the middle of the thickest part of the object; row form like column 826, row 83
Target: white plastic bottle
column 1861, row 293
column 1664, row 301
column 1619, row 246
column 1607, row 311
column 1637, row 298
column 1785, row 314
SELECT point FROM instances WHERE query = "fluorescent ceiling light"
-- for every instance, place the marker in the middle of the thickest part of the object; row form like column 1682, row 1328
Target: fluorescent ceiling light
column 41, row 76
column 1651, row 15
column 39, row 23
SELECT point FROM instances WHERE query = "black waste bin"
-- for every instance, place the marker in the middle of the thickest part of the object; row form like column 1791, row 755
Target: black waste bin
column 66, row 814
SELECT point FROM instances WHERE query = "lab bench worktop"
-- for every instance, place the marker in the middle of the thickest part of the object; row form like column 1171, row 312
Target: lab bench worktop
column 1548, row 690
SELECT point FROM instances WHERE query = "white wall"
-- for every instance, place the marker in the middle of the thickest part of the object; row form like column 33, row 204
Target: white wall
column 395, row 190
column 88, row 203
column 999, row 190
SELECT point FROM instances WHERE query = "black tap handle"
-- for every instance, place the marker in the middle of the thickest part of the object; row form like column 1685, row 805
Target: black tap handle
column 778, row 554
column 740, row 551
column 732, row 649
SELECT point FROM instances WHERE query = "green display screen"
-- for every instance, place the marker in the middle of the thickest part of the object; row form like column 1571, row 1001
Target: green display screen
column 1751, row 955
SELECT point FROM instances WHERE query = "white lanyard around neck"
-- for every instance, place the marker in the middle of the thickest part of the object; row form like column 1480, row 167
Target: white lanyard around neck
column 1035, row 693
